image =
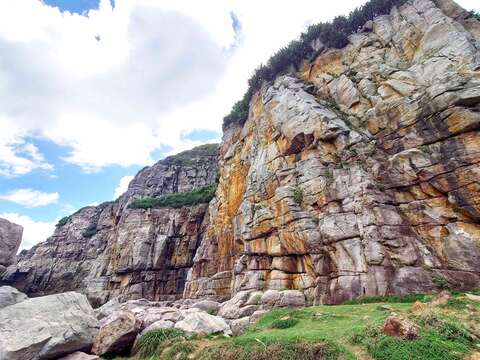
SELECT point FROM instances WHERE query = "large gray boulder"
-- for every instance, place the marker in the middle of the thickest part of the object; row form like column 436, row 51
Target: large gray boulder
column 47, row 327
column 117, row 333
column 10, row 239
column 202, row 323
column 9, row 296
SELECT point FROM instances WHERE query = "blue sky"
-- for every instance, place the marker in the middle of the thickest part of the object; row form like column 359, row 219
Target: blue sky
column 94, row 90
column 77, row 6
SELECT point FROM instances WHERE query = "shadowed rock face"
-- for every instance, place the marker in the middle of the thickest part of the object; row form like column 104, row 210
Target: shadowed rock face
column 359, row 175
column 111, row 250
column 356, row 176
column 10, row 239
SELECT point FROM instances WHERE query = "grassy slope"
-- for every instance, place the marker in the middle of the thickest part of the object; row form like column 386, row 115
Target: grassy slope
column 343, row 332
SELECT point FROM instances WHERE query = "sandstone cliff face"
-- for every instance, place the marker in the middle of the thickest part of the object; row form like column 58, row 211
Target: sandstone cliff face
column 355, row 176
column 358, row 175
column 110, row 250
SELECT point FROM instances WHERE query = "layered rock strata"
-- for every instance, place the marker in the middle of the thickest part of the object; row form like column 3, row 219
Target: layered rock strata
column 358, row 175
column 110, row 250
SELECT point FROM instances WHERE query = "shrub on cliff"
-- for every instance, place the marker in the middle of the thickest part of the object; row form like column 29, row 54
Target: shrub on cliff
column 333, row 35
column 63, row 221
column 176, row 200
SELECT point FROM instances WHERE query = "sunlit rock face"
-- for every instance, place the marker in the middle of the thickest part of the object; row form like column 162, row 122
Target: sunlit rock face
column 110, row 250
column 358, row 175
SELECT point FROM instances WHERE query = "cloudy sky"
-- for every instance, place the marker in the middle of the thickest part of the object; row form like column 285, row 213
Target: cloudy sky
column 91, row 91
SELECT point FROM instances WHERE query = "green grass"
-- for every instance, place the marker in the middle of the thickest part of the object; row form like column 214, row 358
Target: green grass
column 176, row 200
column 153, row 342
column 441, row 338
column 337, row 332
column 411, row 298
column 284, row 323
column 273, row 351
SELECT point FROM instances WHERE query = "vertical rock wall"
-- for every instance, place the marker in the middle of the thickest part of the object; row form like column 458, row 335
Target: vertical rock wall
column 358, row 175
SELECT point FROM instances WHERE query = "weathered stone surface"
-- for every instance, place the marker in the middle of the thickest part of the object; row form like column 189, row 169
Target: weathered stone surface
column 110, row 250
column 78, row 355
column 201, row 322
column 239, row 326
column 208, row 306
column 399, row 327
column 10, row 239
column 10, row 296
column 47, row 327
column 362, row 184
column 117, row 333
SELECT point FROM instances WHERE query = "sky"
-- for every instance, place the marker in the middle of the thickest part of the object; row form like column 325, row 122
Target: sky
column 91, row 91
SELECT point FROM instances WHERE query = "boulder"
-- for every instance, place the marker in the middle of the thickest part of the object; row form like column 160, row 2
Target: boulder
column 472, row 297
column 270, row 298
column 239, row 326
column 47, row 327
column 160, row 314
column 201, row 322
column 292, row 298
column 10, row 239
column 400, row 327
column 117, row 333
column 78, row 355
column 208, row 306
column 9, row 296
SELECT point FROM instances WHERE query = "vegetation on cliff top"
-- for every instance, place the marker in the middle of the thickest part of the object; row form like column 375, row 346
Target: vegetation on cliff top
column 333, row 35
column 190, row 157
column 176, row 200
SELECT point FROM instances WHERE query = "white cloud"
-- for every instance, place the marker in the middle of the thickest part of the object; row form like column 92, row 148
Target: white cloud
column 122, row 186
column 160, row 69
column 33, row 231
column 30, row 198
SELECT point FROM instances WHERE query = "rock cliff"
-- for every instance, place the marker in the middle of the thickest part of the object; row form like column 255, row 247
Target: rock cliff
column 10, row 239
column 110, row 249
column 356, row 175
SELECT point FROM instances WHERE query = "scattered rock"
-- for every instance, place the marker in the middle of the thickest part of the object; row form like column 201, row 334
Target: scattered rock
column 208, row 306
column 239, row 326
column 47, row 327
column 472, row 297
column 117, row 333
column 257, row 315
column 78, row 355
column 441, row 299
column 400, row 327
column 201, row 322
column 10, row 296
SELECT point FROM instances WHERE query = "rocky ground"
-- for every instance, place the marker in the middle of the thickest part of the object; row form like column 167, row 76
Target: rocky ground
column 64, row 326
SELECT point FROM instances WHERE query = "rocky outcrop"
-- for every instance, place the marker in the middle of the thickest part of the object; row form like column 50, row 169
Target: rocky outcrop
column 47, row 327
column 110, row 250
column 355, row 175
column 358, row 175
column 10, row 239
column 10, row 296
